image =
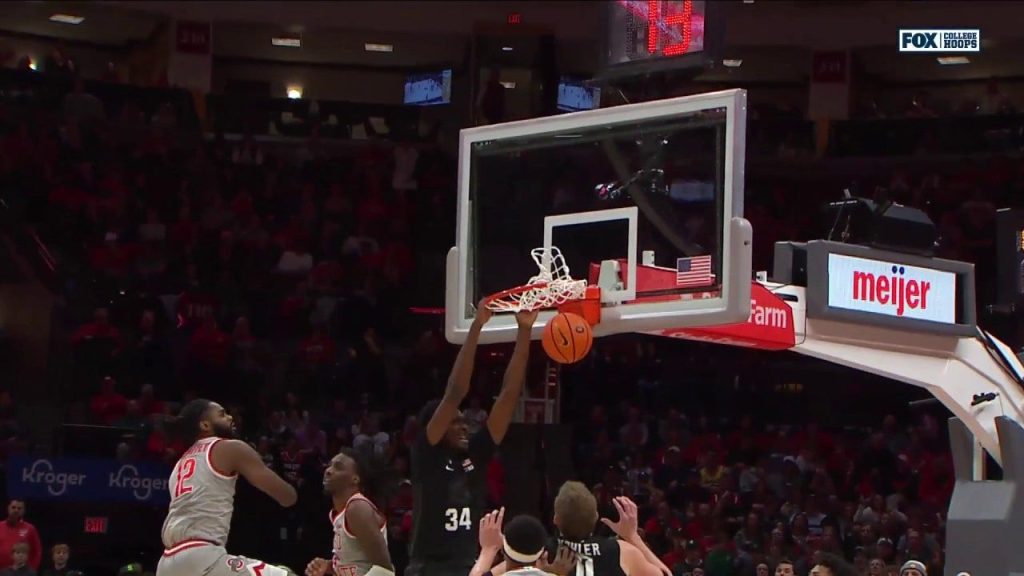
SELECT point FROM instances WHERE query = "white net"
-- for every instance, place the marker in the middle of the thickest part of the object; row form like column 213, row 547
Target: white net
column 550, row 287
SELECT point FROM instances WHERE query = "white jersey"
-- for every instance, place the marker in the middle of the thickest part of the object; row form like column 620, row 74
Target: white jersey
column 202, row 499
column 349, row 558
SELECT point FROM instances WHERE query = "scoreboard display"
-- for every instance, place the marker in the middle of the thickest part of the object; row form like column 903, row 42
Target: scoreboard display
column 646, row 35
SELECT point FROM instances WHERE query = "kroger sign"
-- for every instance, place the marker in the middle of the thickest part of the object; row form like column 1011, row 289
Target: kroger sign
column 891, row 289
column 87, row 479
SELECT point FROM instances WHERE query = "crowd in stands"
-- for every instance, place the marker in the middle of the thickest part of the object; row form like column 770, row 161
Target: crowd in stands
column 280, row 284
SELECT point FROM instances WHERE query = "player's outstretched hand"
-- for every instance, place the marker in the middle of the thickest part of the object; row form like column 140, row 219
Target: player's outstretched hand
column 483, row 313
column 490, row 530
column 526, row 318
column 318, row 567
column 564, row 562
column 626, row 527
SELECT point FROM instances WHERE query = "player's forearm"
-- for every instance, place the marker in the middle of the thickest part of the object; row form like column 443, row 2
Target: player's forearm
column 649, row 555
column 462, row 370
column 484, row 562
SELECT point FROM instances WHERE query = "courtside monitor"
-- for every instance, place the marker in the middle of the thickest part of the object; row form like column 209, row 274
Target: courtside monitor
column 429, row 89
column 643, row 203
column 575, row 95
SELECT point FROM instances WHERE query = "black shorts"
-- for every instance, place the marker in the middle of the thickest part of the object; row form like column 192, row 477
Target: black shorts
column 428, row 568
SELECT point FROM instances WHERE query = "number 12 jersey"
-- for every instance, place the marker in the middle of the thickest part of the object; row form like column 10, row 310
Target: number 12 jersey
column 202, row 498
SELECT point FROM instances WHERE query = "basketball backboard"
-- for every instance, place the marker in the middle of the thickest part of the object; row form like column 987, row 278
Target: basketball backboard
column 645, row 200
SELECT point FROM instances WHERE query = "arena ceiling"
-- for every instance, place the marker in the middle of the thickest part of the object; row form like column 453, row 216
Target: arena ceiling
column 774, row 38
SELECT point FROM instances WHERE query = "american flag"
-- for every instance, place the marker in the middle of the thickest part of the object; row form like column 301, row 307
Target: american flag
column 694, row 271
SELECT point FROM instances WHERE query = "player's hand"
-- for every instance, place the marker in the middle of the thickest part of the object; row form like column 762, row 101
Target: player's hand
column 483, row 313
column 490, row 530
column 526, row 318
column 564, row 562
column 318, row 567
column 626, row 527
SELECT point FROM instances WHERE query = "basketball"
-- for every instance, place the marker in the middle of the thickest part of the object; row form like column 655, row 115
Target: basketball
column 567, row 338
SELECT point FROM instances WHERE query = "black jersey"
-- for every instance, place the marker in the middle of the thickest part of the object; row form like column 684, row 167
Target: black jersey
column 597, row 556
column 450, row 494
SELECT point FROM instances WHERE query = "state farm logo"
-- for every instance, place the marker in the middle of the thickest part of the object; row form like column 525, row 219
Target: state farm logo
column 892, row 289
column 769, row 327
column 769, row 316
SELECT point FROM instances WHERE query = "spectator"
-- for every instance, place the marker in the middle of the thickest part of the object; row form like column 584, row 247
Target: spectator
column 371, row 440
column 19, row 562
column 108, row 406
column 83, row 108
column 17, row 533
column 60, row 556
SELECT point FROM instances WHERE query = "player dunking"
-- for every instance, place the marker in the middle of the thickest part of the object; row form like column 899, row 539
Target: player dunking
column 360, row 531
column 576, row 517
column 449, row 467
column 202, row 496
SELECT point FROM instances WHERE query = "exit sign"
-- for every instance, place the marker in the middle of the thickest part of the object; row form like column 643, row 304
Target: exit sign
column 514, row 18
column 96, row 525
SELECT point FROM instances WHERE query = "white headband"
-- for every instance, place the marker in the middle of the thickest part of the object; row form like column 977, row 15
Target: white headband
column 520, row 557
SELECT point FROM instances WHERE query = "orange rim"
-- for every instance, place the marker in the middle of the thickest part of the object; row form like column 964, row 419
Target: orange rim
column 512, row 292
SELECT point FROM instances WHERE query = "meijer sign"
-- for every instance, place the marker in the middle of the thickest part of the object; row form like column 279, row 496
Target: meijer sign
column 891, row 289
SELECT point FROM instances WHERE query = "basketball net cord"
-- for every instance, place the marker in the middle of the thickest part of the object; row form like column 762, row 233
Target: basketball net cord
column 551, row 286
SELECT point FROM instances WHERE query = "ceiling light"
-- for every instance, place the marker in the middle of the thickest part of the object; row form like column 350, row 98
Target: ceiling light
column 67, row 19
column 732, row 62
column 506, row 48
column 509, row 85
column 949, row 60
column 33, row 65
column 294, row 92
column 287, row 41
column 378, row 47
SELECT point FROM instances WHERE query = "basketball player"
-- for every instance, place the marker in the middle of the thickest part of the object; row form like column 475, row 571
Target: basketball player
column 523, row 545
column 360, row 530
column 202, row 496
column 449, row 466
column 576, row 517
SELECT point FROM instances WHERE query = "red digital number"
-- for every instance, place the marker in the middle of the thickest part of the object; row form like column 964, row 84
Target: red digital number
column 678, row 19
column 186, row 469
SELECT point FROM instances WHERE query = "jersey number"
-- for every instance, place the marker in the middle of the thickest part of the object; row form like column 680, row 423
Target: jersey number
column 186, row 470
column 585, row 566
column 457, row 518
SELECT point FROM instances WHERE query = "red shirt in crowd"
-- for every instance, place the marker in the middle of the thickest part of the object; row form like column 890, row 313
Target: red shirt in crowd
column 317, row 350
column 194, row 307
column 96, row 331
column 13, row 533
column 210, row 345
column 108, row 406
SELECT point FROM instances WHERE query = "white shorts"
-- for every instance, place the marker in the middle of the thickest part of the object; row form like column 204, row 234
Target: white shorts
column 199, row 558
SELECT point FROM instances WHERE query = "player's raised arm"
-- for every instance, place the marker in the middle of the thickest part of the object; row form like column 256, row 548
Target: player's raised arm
column 515, row 376
column 626, row 529
column 363, row 522
column 458, row 380
column 237, row 456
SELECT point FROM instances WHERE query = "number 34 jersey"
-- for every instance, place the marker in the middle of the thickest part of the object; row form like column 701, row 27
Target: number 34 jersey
column 450, row 495
column 202, row 498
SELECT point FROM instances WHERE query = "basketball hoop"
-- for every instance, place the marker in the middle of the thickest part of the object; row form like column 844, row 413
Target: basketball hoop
column 550, row 288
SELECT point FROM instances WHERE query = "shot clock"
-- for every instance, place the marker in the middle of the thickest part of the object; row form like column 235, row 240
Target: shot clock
column 643, row 36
